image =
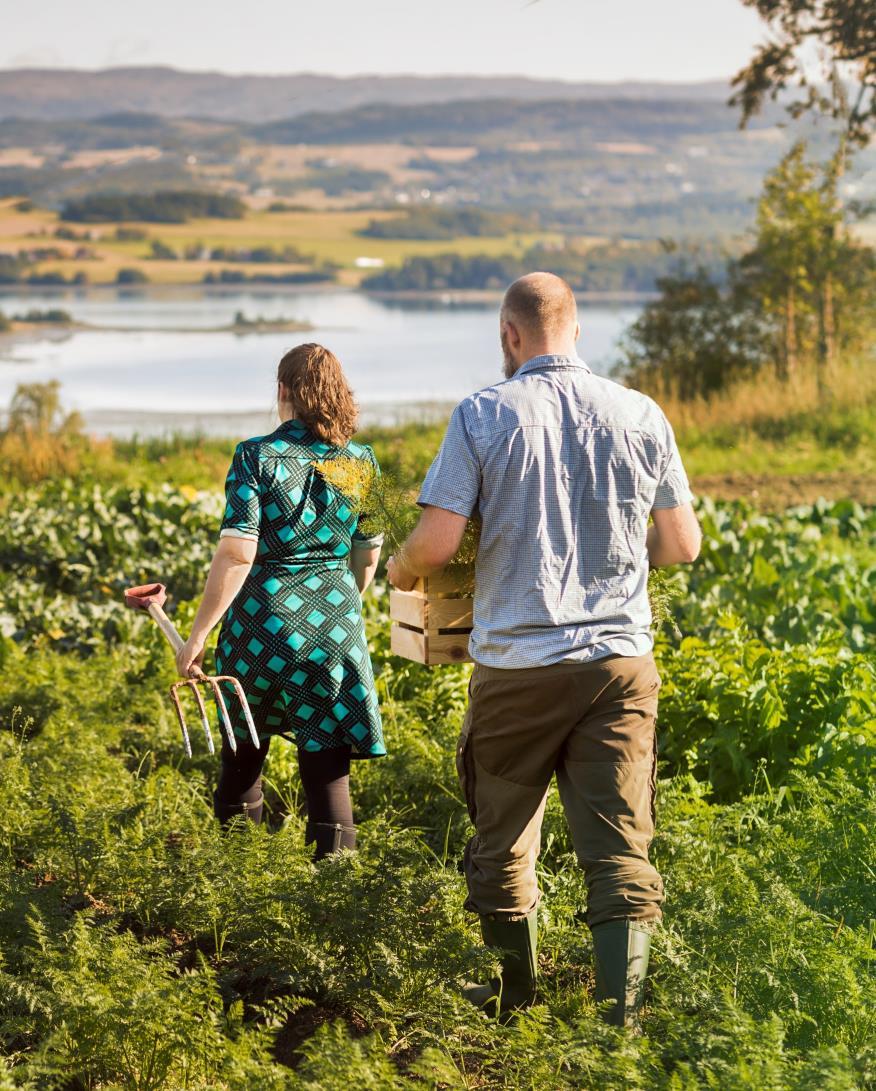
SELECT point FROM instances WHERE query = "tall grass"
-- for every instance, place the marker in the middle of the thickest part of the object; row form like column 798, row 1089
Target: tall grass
column 757, row 426
column 772, row 410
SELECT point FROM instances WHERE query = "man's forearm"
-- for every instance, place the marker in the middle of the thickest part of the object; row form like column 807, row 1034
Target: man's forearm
column 656, row 554
column 414, row 556
column 432, row 545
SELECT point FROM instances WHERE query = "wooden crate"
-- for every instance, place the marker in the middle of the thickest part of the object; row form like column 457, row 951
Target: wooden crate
column 432, row 623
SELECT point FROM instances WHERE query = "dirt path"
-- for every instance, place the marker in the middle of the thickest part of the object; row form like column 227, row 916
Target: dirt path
column 774, row 492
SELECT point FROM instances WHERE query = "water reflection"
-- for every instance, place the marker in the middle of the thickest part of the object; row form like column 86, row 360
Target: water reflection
column 394, row 355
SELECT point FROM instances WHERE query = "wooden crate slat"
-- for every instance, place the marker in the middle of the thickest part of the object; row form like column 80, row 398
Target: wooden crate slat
column 447, row 648
column 429, row 647
column 432, row 623
column 449, row 614
column 442, row 585
column 407, row 643
column 408, row 607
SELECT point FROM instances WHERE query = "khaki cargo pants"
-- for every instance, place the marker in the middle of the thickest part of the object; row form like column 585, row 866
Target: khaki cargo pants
column 593, row 726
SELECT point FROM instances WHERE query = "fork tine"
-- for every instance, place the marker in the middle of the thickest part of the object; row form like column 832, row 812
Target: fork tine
column 193, row 684
column 223, row 711
column 247, row 714
column 174, row 699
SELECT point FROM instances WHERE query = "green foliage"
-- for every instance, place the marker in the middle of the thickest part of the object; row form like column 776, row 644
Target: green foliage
column 50, row 315
column 445, row 223
column 35, row 409
column 142, row 948
column 803, row 293
column 322, row 275
column 131, row 276
column 807, row 574
column 335, row 181
column 618, row 266
column 165, row 206
column 731, row 705
column 823, row 48
column 696, row 339
column 69, row 550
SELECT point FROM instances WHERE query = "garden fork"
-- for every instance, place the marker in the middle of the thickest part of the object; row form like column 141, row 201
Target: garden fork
column 151, row 597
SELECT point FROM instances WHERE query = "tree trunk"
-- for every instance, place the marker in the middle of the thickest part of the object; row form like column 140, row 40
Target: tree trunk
column 789, row 359
column 825, row 360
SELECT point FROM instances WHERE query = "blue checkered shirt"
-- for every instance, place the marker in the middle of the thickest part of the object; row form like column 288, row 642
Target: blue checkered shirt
column 563, row 467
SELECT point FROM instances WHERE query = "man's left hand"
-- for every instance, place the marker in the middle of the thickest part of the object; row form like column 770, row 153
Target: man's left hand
column 399, row 576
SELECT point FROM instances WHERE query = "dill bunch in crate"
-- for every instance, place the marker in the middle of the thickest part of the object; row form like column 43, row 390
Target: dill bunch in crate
column 431, row 624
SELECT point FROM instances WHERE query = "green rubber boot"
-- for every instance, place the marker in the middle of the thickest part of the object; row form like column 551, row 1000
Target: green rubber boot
column 621, row 950
column 514, row 988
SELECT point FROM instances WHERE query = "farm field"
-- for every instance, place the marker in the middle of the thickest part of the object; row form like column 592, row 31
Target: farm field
column 140, row 948
column 321, row 237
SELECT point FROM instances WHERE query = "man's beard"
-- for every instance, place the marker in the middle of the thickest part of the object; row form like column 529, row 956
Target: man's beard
column 509, row 366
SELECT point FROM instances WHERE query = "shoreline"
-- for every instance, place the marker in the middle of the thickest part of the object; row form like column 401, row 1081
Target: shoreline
column 477, row 296
column 221, row 424
column 472, row 296
column 28, row 328
column 29, row 333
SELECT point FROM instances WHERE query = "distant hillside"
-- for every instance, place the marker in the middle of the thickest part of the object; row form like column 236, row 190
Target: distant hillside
column 54, row 93
column 636, row 167
column 496, row 122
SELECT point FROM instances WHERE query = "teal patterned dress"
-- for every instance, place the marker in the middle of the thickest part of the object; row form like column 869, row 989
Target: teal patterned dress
column 294, row 635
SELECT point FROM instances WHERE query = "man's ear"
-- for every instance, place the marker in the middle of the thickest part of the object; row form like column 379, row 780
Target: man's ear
column 512, row 334
column 577, row 331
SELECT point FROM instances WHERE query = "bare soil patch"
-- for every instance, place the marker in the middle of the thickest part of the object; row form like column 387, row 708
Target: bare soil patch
column 772, row 492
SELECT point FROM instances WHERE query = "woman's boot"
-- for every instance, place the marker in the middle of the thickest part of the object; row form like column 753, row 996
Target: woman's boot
column 225, row 812
column 514, row 987
column 621, row 950
column 329, row 838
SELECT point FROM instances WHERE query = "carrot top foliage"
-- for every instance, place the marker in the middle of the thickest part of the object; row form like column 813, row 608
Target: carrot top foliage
column 141, row 948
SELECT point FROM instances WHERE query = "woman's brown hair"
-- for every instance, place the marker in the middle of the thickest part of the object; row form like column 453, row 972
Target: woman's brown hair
column 317, row 387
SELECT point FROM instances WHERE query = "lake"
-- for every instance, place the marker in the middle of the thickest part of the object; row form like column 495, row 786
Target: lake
column 175, row 374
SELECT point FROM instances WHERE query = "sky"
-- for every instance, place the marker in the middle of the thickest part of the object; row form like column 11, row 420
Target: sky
column 599, row 40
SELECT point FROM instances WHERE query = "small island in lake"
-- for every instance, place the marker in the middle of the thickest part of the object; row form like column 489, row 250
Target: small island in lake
column 56, row 320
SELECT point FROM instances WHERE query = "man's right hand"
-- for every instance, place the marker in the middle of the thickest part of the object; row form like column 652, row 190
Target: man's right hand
column 399, row 576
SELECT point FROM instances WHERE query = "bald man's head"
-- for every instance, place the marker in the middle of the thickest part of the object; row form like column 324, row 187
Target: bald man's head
column 540, row 303
column 539, row 314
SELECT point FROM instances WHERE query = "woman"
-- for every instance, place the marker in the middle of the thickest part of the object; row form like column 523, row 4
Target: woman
column 286, row 581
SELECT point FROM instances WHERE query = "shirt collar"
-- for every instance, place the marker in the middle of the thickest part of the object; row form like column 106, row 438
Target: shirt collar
column 551, row 362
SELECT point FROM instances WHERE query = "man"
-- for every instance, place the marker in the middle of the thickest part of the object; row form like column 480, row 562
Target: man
column 564, row 469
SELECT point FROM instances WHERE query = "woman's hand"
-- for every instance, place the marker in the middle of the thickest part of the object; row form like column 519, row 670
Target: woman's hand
column 399, row 576
column 190, row 657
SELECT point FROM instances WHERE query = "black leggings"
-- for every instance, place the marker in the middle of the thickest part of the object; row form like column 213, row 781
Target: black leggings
column 325, row 777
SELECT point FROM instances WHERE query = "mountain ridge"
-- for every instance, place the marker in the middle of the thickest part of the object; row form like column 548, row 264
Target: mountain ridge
column 50, row 94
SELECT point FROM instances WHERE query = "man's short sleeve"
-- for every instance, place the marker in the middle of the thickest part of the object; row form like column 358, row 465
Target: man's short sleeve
column 454, row 478
column 243, row 508
column 673, row 488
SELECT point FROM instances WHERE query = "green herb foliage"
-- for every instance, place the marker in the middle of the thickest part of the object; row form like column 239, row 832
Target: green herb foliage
column 141, row 948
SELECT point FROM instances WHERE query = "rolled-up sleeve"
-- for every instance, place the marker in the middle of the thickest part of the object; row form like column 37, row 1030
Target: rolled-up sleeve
column 243, row 508
column 454, row 478
column 673, row 488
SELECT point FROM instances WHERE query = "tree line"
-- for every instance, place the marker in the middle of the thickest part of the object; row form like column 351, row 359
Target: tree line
column 797, row 300
column 803, row 297
column 164, row 206
column 607, row 267
column 447, row 223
